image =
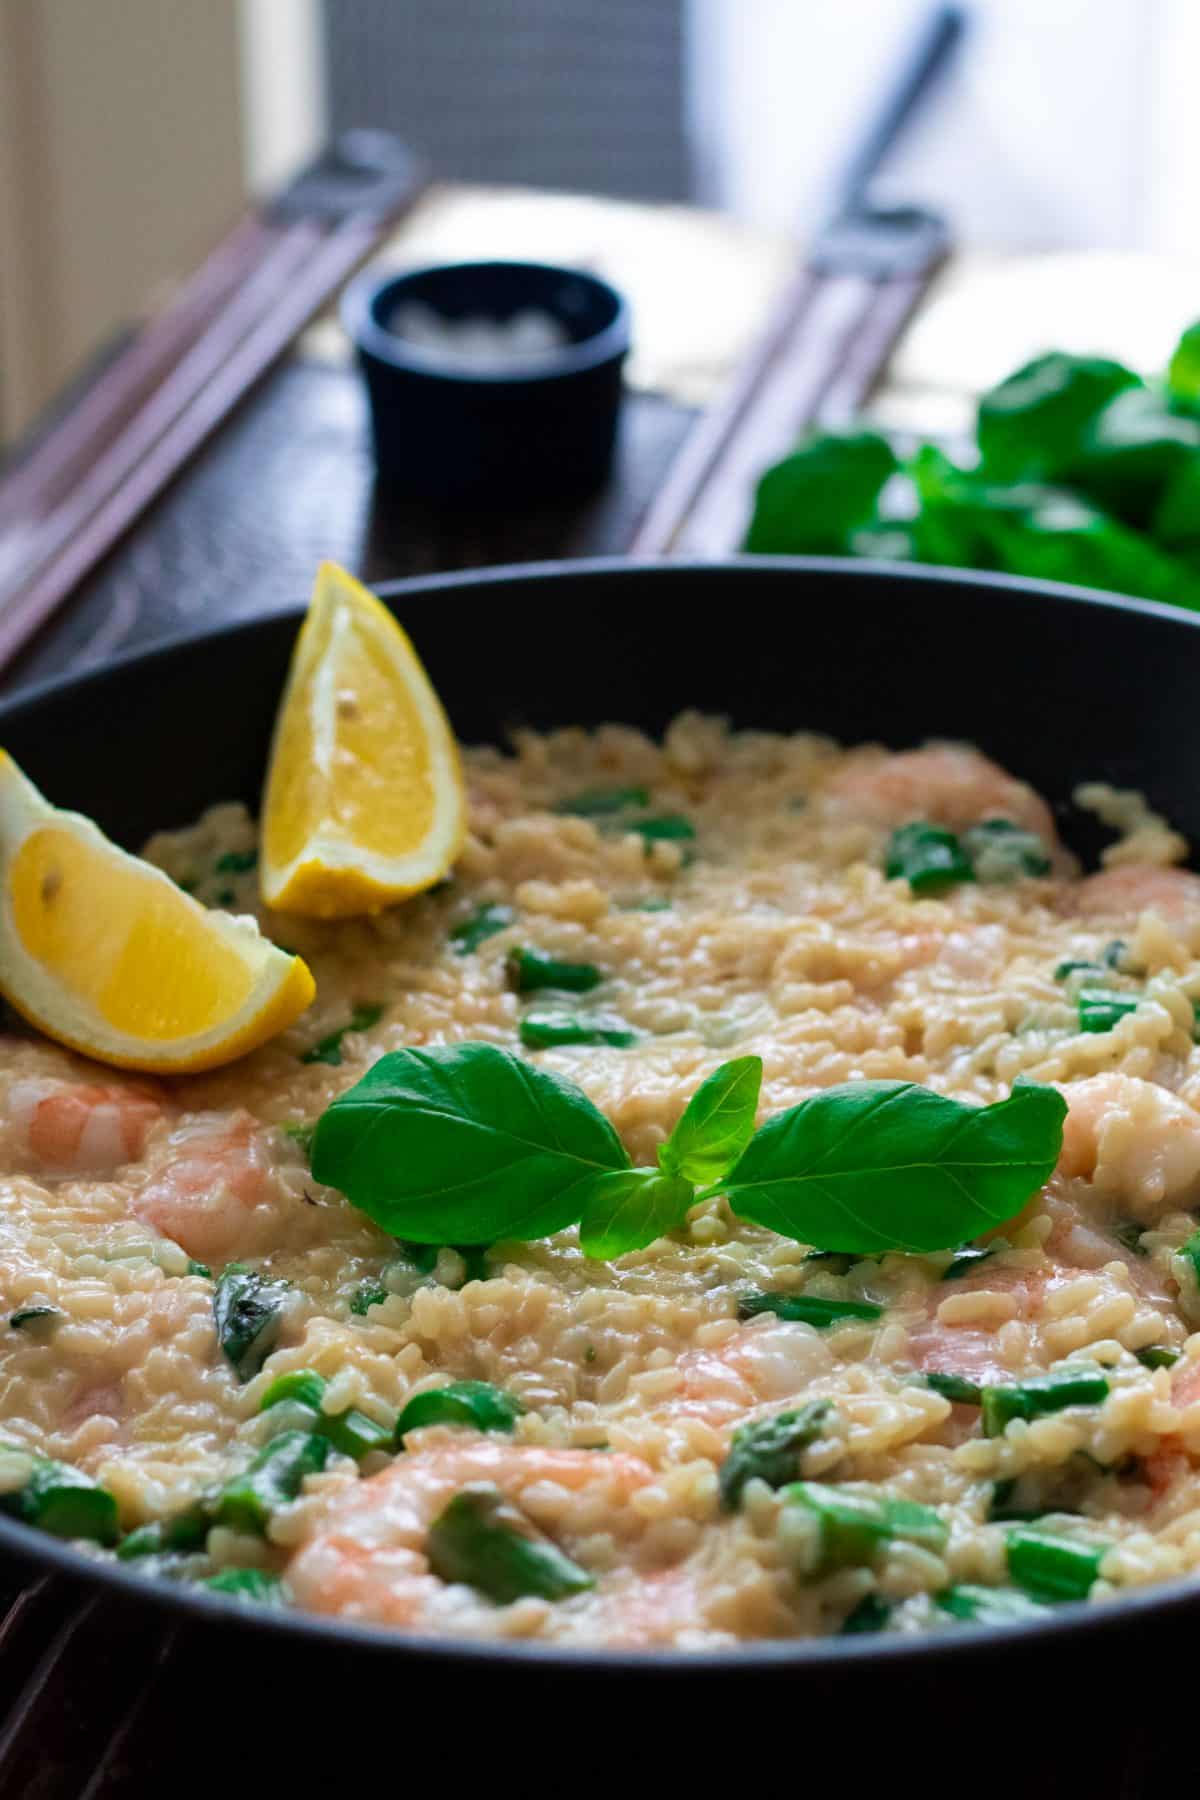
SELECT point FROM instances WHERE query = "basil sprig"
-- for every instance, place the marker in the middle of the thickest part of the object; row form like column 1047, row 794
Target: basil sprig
column 470, row 1143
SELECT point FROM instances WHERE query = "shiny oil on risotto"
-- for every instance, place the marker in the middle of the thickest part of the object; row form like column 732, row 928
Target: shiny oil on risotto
column 217, row 1370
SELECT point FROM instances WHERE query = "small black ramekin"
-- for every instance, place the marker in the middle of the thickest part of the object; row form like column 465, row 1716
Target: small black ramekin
column 445, row 431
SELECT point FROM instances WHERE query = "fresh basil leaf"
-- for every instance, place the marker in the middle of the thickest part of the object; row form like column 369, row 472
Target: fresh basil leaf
column 1131, row 451
column 816, row 498
column 631, row 1208
column 1183, row 370
column 464, row 1142
column 1048, row 532
column 717, row 1123
column 1033, row 423
column 886, row 1165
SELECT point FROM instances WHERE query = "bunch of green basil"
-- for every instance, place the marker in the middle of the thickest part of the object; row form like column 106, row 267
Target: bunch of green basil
column 1084, row 473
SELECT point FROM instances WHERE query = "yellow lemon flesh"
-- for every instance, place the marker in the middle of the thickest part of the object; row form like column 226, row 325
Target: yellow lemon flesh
column 104, row 953
column 364, row 802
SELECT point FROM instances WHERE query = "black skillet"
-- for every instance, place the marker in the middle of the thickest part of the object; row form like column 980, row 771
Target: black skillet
column 1058, row 685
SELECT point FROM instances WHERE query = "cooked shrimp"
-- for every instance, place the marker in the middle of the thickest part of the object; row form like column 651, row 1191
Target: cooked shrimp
column 1133, row 1141
column 1132, row 888
column 78, row 1128
column 367, row 1558
column 214, row 1195
column 750, row 1369
column 949, row 784
column 940, row 1346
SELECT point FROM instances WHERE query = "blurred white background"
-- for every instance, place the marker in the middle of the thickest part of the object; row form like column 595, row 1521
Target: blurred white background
column 1062, row 123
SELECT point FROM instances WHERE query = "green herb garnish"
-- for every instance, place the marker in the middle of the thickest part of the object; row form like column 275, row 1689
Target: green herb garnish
column 928, row 857
column 483, row 923
column 717, row 1123
column 1100, row 1008
column 862, row 1169
column 248, row 1313
column 365, row 1296
column 529, row 970
column 1158, row 1356
column 476, row 1404
column 329, row 1049
column 236, row 862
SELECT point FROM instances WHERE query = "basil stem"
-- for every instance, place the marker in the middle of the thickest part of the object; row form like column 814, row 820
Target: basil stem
column 483, row 923
column 530, row 970
column 928, row 857
column 476, row 1404
column 248, row 1314
column 854, row 1527
column 1041, row 1394
column 273, row 1478
column 807, row 1309
column 1053, row 1568
column 482, row 1539
column 548, row 1030
column 769, row 1450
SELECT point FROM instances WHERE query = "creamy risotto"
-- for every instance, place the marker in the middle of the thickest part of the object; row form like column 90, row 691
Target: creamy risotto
column 722, row 1436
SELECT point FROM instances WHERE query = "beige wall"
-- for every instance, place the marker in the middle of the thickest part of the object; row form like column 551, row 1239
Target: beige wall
column 121, row 163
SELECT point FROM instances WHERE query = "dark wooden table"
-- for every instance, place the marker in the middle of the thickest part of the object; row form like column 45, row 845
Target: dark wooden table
column 289, row 481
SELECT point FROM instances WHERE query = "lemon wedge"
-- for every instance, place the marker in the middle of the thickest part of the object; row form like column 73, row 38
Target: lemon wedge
column 104, row 953
column 364, row 801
